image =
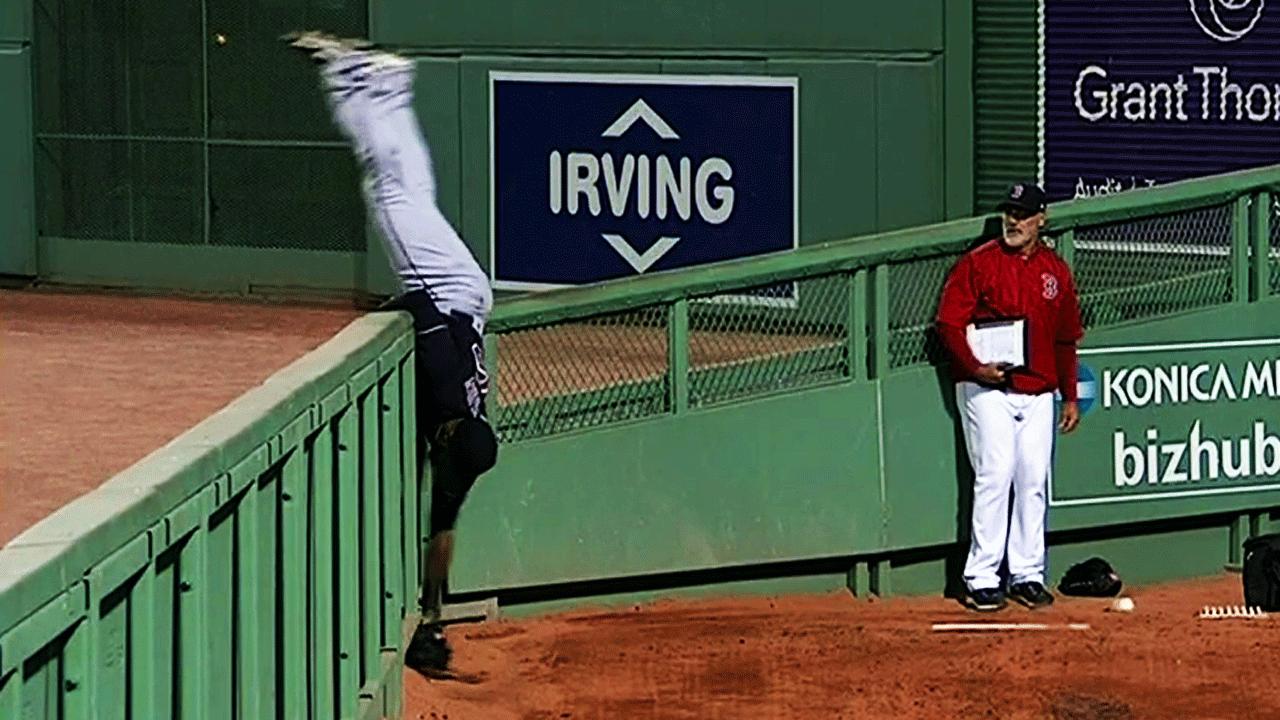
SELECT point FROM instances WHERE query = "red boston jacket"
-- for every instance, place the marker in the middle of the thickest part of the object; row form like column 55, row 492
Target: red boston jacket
column 993, row 281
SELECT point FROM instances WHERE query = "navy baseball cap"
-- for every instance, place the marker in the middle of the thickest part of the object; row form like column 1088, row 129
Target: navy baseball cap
column 1027, row 197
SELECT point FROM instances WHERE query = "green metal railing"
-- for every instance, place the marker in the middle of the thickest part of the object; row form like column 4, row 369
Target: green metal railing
column 860, row 308
column 262, row 565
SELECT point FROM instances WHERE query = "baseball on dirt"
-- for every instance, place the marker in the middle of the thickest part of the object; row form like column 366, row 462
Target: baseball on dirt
column 1123, row 604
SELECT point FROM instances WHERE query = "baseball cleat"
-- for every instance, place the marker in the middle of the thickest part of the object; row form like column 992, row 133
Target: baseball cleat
column 1031, row 594
column 985, row 600
column 428, row 652
column 322, row 46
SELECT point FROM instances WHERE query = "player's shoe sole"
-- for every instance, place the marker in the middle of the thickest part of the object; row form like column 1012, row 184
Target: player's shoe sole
column 323, row 47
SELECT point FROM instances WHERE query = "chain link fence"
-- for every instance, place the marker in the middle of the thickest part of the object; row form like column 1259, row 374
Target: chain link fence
column 575, row 375
column 1154, row 266
column 768, row 338
column 190, row 124
column 1273, row 257
column 914, row 290
column 121, row 190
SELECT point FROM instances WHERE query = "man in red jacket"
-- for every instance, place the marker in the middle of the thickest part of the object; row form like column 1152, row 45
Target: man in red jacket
column 1008, row 412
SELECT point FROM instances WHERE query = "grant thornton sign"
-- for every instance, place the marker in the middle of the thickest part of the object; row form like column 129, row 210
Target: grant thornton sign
column 1143, row 92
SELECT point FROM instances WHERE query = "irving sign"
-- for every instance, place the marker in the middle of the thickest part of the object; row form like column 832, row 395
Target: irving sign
column 1129, row 89
column 595, row 177
column 1178, row 420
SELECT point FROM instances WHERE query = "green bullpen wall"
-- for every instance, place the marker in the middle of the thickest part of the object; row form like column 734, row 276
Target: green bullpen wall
column 17, row 206
column 166, row 157
column 263, row 564
column 664, row 433
column 885, row 90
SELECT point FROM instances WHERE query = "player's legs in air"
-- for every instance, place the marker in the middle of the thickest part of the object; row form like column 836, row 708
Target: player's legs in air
column 370, row 94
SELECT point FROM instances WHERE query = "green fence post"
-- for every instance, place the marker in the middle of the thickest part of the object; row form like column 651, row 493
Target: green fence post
column 678, row 354
column 1240, row 251
column 293, row 556
column 1067, row 247
column 192, row 662
column 219, row 623
column 370, row 537
column 880, row 335
column 11, row 694
column 142, row 623
column 1237, row 533
column 1261, row 255
column 347, row 542
column 322, row 522
column 493, row 405
column 78, row 687
column 414, row 533
column 250, row 583
column 856, row 334
column 392, row 502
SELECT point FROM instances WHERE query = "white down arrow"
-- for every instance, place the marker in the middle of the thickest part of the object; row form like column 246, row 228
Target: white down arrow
column 641, row 262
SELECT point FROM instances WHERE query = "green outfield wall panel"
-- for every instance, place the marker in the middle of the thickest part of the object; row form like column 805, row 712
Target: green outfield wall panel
column 240, row 270
column 708, row 489
column 838, row 164
column 15, row 22
column 683, row 24
column 17, row 179
column 927, row 480
column 910, row 144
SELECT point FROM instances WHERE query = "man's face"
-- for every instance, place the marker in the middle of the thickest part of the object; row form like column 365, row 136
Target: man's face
column 1021, row 227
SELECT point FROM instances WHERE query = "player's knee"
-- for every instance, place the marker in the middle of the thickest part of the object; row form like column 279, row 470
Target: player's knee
column 463, row 451
column 471, row 445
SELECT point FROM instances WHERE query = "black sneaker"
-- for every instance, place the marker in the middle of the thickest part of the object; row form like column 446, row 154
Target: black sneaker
column 1032, row 594
column 985, row 600
column 428, row 651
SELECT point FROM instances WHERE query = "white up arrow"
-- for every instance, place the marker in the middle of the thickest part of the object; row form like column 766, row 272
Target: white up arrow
column 650, row 256
column 641, row 111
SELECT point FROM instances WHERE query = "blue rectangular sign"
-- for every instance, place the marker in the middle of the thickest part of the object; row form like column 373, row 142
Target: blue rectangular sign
column 596, row 177
column 1143, row 92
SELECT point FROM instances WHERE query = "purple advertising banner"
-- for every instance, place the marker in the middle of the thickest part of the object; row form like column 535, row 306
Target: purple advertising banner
column 1137, row 93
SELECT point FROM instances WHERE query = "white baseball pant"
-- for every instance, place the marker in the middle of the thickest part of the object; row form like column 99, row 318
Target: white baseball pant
column 1010, row 441
column 371, row 96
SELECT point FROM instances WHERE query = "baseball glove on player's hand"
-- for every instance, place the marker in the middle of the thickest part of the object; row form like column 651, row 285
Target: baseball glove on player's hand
column 1092, row 578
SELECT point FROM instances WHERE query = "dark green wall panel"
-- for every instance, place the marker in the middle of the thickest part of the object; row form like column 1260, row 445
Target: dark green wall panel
column 619, row 24
column 838, row 164
column 925, row 469
column 1004, row 93
column 701, row 490
column 910, row 145
column 15, row 21
column 239, row 269
column 17, row 180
